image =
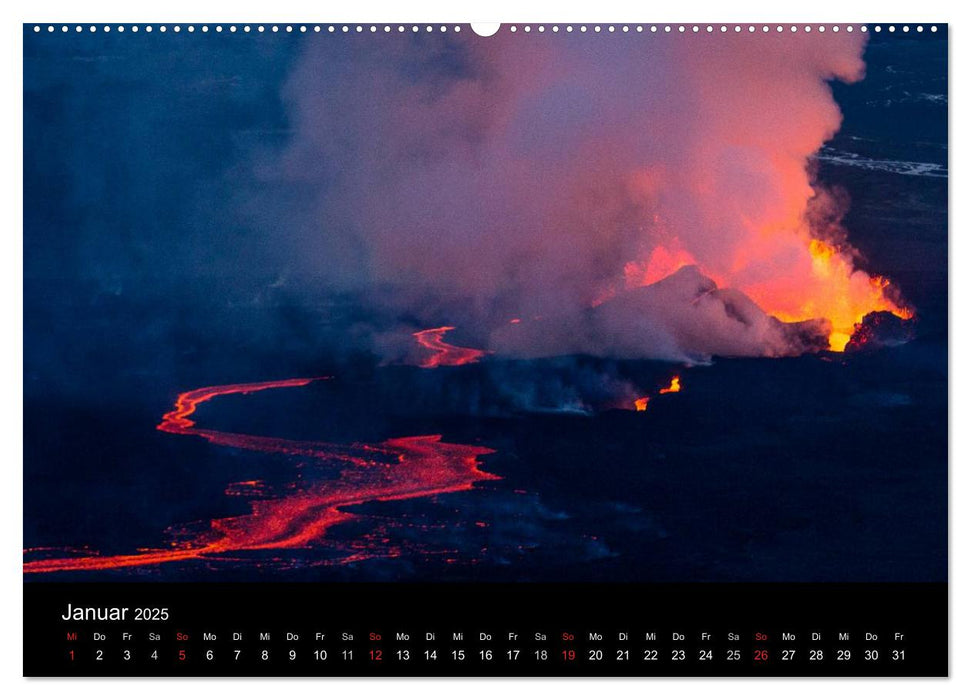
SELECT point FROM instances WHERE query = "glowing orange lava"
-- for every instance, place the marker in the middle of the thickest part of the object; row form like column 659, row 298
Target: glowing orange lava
column 399, row 468
column 674, row 387
column 820, row 282
column 840, row 293
column 663, row 262
column 446, row 355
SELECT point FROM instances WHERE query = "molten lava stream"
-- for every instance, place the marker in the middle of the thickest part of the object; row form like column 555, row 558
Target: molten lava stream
column 445, row 355
column 399, row 468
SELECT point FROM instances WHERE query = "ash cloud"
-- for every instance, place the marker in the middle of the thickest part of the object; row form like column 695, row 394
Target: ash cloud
column 684, row 316
column 467, row 181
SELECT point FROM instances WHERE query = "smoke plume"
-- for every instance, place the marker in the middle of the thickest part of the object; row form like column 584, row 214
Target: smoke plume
column 631, row 195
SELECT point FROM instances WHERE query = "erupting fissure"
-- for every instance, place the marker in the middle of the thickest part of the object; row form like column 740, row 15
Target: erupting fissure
column 398, row 468
column 828, row 286
column 843, row 295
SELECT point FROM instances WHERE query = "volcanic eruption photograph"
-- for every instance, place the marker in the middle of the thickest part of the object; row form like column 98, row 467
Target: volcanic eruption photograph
column 571, row 305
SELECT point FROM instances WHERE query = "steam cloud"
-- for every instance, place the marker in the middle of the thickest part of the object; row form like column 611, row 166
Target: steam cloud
column 561, row 178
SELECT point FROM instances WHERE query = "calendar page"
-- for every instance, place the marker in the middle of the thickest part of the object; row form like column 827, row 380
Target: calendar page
column 485, row 350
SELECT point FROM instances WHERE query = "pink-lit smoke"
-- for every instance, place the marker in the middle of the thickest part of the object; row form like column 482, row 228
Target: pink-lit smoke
column 556, row 178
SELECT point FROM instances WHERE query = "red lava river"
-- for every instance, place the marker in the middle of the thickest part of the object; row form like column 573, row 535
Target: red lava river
column 445, row 354
column 395, row 469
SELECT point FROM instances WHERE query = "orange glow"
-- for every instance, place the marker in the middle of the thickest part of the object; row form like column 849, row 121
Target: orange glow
column 839, row 293
column 674, row 387
column 662, row 262
column 446, row 355
column 398, row 468
column 820, row 283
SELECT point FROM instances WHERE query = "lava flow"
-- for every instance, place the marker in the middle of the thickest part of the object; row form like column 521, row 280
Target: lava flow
column 396, row 469
column 674, row 387
column 445, row 355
